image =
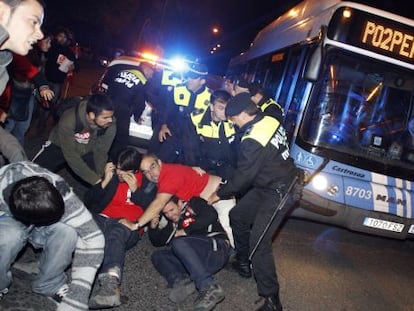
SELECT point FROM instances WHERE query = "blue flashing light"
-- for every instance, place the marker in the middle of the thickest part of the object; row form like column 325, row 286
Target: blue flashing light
column 179, row 64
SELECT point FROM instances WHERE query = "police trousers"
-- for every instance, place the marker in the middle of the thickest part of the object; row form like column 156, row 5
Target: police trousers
column 248, row 220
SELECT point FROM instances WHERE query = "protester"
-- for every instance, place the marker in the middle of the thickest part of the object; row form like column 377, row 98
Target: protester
column 26, row 77
column 184, row 182
column 198, row 249
column 81, row 139
column 10, row 149
column 122, row 193
column 20, row 23
column 39, row 207
column 266, row 170
column 60, row 62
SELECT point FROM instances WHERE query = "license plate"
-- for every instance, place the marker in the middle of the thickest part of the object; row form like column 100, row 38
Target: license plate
column 383, row 224
column 411, row 230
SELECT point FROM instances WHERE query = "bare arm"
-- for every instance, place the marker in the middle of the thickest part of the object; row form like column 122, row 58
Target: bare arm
column 152, row 211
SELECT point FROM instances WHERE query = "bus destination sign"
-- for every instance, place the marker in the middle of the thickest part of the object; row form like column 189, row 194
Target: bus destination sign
column 374, row 33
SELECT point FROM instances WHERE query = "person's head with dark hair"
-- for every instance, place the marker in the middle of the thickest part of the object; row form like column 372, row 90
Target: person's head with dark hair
column 21, row 19
column 218, row 103
column 241, row 85
column 100, row 110
column 45, row 43
column 241, row 109
column 36, row 201
column 63, row 36
column 172, row 210
column 129, row 159
column 151, row 167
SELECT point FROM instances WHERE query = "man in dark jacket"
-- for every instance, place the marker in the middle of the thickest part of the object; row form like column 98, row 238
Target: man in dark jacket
column 266, row 170
column 127, row 88
column 60, row 61
column 199, row 247
column 81, row 139
column 123, row 193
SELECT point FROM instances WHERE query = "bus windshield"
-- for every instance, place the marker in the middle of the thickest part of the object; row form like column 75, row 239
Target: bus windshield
column 362, row 109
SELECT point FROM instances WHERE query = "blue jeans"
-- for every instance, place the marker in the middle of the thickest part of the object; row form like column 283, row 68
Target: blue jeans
column 58, row 242
column 19, row 128
column 198, row 257
column 118, row 239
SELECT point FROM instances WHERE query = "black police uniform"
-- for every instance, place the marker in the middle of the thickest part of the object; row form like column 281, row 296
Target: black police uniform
column 263, row 165
column 127, row 89
column 182, row 146
column 271, row 108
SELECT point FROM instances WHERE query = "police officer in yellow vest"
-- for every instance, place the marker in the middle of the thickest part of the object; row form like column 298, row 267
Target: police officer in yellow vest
column 177, row 134
column 265, row 168
column 217, row 135
column 127, row 89
column 266, row 104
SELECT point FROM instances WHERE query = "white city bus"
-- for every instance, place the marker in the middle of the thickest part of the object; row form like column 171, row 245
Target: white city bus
column 344, row 73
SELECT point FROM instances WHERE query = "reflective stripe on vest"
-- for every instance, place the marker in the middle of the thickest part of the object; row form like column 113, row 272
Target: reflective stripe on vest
column 269, row 102
column 169, row 79
column 182, row 97
column 138, row 74
column 263, row 131
column 212, row 130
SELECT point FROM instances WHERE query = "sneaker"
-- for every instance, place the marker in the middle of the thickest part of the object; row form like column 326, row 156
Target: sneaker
column 181, row 290
column 108, row 294
column 60, row 294
column 208, row 298
column 271, row 303
column 3, row 293
column 242, row 268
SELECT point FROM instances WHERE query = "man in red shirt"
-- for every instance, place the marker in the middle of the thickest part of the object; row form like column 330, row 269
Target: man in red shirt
column 184, row 182
column 123, row 194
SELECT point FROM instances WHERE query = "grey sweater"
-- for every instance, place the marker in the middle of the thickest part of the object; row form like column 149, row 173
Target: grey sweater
column 5, row 59
column 89, row 249
column 10, row 148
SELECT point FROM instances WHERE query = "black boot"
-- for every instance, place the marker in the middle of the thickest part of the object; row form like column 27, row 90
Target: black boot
column 271, row 303
column 242, row 267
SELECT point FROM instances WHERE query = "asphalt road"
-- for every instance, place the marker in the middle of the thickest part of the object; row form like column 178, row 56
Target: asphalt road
column 320, row 268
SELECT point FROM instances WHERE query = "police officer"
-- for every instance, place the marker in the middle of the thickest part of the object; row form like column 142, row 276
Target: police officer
column 177, row 134
column 266, row 104
column 159, row 93
column 266, row 170
column 127, row 89
column 217, row 137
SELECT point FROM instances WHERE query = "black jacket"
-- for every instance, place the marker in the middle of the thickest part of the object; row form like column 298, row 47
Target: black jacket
column 197, row 218
column 263, row 159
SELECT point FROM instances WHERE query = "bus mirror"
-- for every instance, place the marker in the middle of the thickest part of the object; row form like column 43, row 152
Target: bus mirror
column 314, row 65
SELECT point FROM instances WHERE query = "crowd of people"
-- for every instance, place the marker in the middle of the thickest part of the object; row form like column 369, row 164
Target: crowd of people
column 217, row 166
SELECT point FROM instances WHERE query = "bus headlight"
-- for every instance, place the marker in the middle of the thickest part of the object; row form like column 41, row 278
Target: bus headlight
column 320, row 182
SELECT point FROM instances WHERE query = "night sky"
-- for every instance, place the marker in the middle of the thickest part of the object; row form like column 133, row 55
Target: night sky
column 178, row 26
